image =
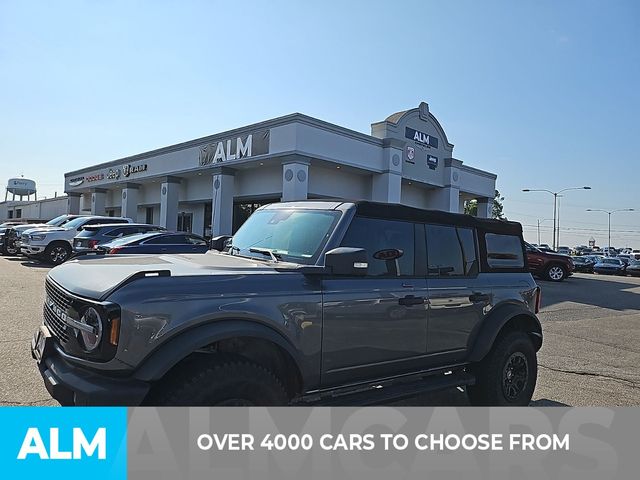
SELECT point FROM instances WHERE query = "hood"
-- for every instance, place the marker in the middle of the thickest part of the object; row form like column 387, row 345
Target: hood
column 97, row 277
column 33, row 226
column 44, row 229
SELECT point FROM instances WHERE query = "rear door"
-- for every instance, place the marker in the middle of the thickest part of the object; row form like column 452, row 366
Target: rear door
column 376, row 326
column 457, row 294
column 535, row 259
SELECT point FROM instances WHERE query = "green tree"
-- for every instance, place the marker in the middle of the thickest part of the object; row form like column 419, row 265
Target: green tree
column 471, row 207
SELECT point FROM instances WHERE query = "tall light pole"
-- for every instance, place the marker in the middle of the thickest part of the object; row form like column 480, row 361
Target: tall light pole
column 555, row 203
column 609, row 214
column 539, row 222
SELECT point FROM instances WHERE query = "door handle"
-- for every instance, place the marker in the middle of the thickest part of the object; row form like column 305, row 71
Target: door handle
column 479, row 297
column 409, row 300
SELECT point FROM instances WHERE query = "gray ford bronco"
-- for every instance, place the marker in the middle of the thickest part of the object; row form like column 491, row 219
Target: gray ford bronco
column 312, row 302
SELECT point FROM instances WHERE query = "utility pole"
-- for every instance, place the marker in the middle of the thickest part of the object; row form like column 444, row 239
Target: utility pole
column 609, row 214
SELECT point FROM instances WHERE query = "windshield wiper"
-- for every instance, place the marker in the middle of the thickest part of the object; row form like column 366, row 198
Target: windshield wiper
column 266, row 251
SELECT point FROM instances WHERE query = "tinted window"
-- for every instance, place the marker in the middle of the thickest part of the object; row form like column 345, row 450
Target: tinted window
column 451, row 251
column 504, row 251
column 193, row 240
column 379, row 238
column 120, row 232
column 167, row 240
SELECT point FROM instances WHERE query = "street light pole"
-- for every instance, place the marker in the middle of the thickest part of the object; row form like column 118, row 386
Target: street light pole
column 609, row 215
column 555, row 202
column 539, row 222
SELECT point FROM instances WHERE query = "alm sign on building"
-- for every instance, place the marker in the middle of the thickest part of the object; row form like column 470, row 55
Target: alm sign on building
column 241, row 147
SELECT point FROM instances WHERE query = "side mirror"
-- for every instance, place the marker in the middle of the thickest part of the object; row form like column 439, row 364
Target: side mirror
column 218, row 243
column 347, row 261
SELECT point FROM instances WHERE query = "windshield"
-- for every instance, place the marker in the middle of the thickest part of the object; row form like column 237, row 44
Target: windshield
column 57, row 221
column 291, row 234
column 611, row 261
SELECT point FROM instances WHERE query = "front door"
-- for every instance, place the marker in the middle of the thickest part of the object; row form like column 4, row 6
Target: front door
column 376, row 326
column 185, row 222
column 457, row 295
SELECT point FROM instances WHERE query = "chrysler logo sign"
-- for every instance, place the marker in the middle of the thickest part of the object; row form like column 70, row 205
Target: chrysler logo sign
column 76, row 181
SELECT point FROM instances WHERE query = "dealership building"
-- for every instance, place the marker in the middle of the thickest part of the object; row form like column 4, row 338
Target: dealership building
column 211, row 185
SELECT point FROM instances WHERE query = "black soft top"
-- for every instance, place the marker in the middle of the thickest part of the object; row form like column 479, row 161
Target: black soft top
column 395, row 211
column 403, row 212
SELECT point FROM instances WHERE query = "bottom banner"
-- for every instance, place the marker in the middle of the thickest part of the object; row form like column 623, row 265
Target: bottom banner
column 320, row 443
column 384, row 442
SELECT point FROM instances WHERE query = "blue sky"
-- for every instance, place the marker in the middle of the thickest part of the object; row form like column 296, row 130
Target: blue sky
column 545, row 93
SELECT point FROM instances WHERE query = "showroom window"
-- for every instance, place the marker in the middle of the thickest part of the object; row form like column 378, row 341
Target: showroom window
column 451, row 251
column 389, row 245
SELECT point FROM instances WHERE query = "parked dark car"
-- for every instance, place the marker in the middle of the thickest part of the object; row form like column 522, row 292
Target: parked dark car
column 93, row 235
column 552, row 266
column 583, row 264
column 610, row 266
column 633, row 268
column 157, row 243
column 315, row 302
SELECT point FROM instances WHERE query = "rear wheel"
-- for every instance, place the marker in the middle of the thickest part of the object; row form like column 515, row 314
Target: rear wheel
column 222, row 382
column 507, row 375
column 556, row 273
column 57, row 253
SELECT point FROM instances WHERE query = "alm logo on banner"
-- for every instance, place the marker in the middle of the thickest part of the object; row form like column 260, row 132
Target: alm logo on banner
column 68, row 442
column 33, row 444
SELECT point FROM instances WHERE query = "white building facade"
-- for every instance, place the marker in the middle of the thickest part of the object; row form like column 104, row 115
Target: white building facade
column 211, row 185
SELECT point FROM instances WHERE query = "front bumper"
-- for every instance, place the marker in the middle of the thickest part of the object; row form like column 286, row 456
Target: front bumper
column 27, row 249
column 72, row 385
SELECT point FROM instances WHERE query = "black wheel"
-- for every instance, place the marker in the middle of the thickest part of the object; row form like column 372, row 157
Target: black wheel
column 222, row 382
column 57, row 253
column 556, row 273
column 507, row 375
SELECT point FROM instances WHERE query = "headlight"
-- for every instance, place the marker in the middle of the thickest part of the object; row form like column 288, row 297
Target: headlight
column 90, row 329
column 38, row 237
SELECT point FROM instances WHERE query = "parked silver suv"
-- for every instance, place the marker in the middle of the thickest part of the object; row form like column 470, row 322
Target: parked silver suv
column 315, row 302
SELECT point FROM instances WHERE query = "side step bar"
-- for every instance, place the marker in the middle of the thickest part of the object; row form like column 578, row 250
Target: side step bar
column 375, row 394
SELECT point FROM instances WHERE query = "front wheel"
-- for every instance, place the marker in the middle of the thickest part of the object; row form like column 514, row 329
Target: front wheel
column 507, row 375
column 57, row 253
column 221, row 382
column 556, row 273
column 10, row 249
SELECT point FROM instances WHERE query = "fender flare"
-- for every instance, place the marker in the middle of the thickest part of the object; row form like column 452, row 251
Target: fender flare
column 488, row 330
column 172, row 351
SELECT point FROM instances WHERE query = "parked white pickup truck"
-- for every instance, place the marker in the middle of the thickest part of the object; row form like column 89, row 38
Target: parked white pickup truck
column 54, row 245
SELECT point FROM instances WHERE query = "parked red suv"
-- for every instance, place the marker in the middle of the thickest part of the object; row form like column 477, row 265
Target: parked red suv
column 552, row 266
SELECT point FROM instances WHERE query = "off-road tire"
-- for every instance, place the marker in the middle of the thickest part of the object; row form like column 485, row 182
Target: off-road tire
column 226, row 381
column 491, row 372
column 54, row 255
column 555, row 273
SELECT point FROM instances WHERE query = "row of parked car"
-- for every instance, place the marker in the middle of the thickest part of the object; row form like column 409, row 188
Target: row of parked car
column 624, row 264
column 68, row 235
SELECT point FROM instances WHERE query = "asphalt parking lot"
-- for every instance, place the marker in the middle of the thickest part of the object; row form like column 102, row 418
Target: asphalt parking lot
column 590, row 357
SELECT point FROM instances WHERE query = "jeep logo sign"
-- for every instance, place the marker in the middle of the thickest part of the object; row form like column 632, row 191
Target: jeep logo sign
column 234, row 149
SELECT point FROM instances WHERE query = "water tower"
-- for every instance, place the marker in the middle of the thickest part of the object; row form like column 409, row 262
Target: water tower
column 20, row 187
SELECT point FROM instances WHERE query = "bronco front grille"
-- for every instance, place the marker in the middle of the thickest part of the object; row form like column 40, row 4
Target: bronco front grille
column 63, row 302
